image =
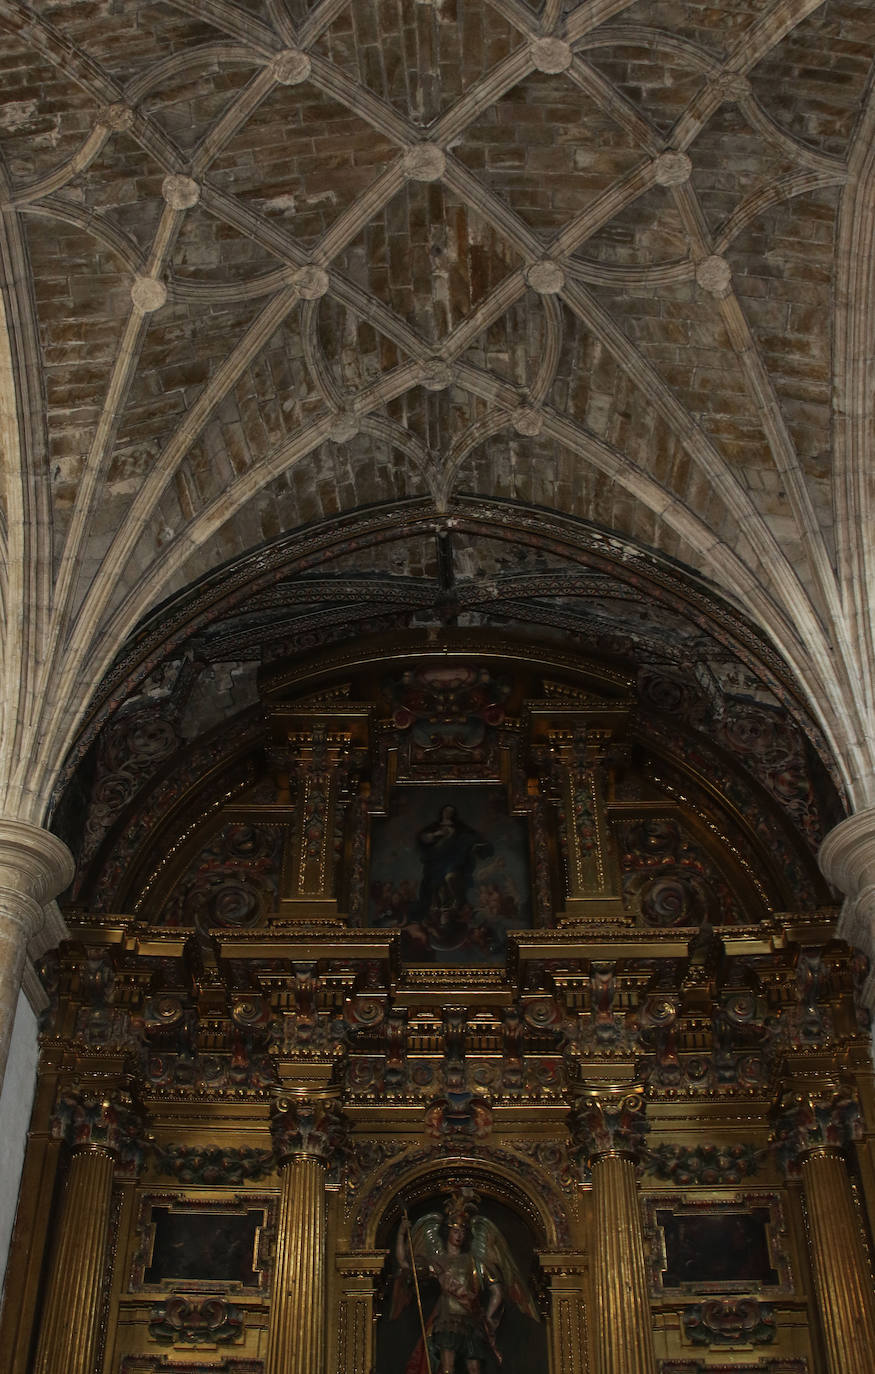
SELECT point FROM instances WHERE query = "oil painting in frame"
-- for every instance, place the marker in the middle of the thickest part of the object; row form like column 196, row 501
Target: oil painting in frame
column 449, row 869
column 733, row 1244
column 204, row 1245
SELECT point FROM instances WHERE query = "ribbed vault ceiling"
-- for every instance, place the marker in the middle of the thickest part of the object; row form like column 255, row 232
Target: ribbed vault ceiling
column 266, row 261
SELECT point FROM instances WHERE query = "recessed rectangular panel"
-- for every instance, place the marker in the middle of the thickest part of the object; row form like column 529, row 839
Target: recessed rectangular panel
column 205, row 1246
column 722, row 1247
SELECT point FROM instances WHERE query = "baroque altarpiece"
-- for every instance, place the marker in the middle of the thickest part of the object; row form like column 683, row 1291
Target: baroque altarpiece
column 462, row 955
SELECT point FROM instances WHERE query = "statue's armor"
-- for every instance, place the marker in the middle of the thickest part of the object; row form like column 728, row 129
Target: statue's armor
column 458, row 1323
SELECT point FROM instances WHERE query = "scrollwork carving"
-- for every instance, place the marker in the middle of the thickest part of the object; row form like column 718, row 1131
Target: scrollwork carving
column 177, row 1321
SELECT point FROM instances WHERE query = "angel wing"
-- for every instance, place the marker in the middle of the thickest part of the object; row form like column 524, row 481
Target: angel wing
column 494, row 1259
column 425, row 1239
column 425, row 1242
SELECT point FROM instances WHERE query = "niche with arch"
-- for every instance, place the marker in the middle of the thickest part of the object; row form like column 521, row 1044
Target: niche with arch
column 478, row 1287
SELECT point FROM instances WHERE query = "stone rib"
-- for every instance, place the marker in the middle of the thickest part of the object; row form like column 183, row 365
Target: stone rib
column 231, row 121
column 507, row 74
column 591, row 15
column 762, row 35
column 103, row 230
column 232, row 20
column 853, row 425
column 314, row 357
column 90, row 148
column 182, row 63
column 772, row 133
column 614, row 104
column 320, row 18
column 784, row 188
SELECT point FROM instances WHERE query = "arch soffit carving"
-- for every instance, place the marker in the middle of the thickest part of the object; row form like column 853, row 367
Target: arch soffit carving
column 166, row 631
column 535, row 1199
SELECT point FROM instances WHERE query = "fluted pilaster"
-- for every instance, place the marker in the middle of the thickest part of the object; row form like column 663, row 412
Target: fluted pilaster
column 625, row 1342
column 71, row 1315
column 296, row 1340
column 842, row 1278
column 814, row 1123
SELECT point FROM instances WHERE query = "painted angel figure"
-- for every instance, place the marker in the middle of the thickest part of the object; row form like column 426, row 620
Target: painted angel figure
column 470, row 1260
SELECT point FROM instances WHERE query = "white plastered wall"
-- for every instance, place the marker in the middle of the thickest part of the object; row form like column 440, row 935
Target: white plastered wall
column 16, row 1102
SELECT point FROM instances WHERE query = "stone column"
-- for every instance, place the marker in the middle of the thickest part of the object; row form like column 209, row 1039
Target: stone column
column 811, row 1130
column 98, row 1130
column 607, row 1125
column 847, row 860
column 309, row 1134
column 34, row 867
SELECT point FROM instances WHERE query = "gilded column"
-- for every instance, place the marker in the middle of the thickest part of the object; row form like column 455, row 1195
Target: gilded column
column 98, row 1130
column 34, row 867
column 811, row 1131
column 608, row 1125
column 309, row 1133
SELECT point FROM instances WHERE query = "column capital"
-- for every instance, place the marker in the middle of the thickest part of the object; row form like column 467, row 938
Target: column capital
column 847, row 861
column 87, row 1118
column 34, row 867
column 814, row 1118
column 607, row 1119
column 309, row 1126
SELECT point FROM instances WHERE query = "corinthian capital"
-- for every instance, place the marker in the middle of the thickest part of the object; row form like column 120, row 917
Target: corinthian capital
column 608, row 1119
column 807, row 1118
column 87, row 1118
column 311, row 1126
